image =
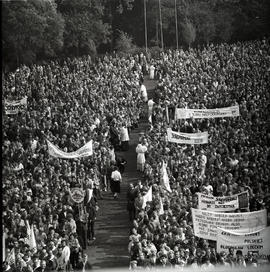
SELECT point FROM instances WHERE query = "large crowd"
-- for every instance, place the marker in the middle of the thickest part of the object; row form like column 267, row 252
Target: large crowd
column 79, row 100
column 235, row 160
column 69, row 104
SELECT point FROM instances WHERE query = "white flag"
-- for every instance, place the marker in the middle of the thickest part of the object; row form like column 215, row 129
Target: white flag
column 164, row 179
column 31, row 240
column 147, row 197
column 11, row 257
column 161, row 210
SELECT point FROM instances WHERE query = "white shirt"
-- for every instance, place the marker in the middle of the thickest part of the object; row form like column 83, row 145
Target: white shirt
column 116, row 176
column 124, row 134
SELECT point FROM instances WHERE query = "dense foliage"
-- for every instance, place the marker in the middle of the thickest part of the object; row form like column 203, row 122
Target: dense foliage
column 34, row 30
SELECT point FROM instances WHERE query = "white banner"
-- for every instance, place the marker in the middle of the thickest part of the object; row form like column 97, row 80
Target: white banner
column 13, row 107
column 255, row 242
column 232, row 111
column 205, row 223
column 85, row 151
column 187, row 138
column 219, row 204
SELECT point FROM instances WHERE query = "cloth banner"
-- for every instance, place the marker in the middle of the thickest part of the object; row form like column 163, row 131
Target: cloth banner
column 257, row 242
column 13, row 107
column 86, row 150
column 187, row 138
column 232, row 111
column 221, row 204
column 147, row 197
column 164, row 179
column 205, row 223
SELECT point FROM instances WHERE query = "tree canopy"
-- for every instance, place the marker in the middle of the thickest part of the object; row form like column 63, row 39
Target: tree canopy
column 35, row 30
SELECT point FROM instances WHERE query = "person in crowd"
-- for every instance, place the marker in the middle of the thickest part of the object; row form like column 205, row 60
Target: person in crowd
column 141, row 150
column 83, row 264
column 91, row 209
column 116, row 180
column 143, row 91
column 124, row 137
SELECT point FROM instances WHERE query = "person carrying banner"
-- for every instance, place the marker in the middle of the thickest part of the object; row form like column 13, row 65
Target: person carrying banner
column 116, row 179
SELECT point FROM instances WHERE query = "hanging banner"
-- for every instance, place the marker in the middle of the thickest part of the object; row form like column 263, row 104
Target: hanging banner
column 77, row 194
column 205, row 223
column 13, row 107
column 232, row 111
column 222, row 204
column 187, row 138
column 257, row 242
column 85, row 151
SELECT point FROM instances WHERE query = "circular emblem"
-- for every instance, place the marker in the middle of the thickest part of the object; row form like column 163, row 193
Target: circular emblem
column 77, row 194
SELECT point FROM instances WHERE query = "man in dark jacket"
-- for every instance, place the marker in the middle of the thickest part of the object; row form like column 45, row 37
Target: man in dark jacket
column 83, row 264
column 91, row 209
column 131, row 195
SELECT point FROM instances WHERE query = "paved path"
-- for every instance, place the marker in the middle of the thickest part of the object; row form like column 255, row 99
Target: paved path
column 112, row 225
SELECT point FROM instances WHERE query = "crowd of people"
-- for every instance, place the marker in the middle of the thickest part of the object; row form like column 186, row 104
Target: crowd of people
column 236, row 159
column 69, row 104
column 76, row 101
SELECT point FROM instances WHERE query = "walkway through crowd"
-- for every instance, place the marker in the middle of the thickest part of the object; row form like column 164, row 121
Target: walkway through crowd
column 112, row 225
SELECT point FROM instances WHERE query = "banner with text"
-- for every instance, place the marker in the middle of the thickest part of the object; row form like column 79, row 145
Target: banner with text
column 13, row 107
column 232, row 111
column 223, row 203
column 187, row 138
column 205, row 223
column 255, row 242
column 85, row 151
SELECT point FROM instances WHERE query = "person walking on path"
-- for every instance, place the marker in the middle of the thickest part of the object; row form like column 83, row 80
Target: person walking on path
column 124, row 137
column 131, row 195
column 116, row 179
column 140, row 150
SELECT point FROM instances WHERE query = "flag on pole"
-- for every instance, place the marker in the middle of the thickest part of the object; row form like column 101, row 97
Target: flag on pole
column 4, row 247
column 30, row 240
column 147, row 197
column 164, row 179
column 161, row 210
column 11, row 257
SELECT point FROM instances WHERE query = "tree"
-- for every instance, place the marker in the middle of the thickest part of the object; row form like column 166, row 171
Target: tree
column 124, row 43
column 31, row 29
column 85, row 29
column 188, row 33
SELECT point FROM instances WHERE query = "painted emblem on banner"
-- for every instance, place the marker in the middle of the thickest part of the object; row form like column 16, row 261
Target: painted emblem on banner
column 77, row 194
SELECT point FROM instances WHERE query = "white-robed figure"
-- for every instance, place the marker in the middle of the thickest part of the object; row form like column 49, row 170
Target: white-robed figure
column 152, row 71
column 124, row 137
column 140, row 150
column 143, row 91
